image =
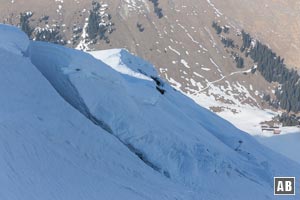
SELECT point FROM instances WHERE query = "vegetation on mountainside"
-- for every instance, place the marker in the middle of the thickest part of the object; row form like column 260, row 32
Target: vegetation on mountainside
column 157, row 10
column 99, row 24
column 40, row 34
column 272, row 68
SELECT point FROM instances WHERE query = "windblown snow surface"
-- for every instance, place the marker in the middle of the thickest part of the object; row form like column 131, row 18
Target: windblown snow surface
column 74, row 126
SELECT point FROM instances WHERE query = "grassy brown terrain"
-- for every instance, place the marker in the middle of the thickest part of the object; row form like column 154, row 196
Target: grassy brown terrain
column 182, row 44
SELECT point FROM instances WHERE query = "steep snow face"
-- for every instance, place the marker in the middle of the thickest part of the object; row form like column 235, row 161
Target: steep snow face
column 13, row 41
column 170, row 133
column 48, row 150
column 120, row 59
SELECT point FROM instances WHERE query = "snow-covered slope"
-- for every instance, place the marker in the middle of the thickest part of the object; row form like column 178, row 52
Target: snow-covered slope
column 48, row 150
column 249, row 119
column 126, row 135
column 286, row 143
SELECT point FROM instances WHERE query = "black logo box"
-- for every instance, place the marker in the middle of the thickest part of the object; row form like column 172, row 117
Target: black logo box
column 281, row 183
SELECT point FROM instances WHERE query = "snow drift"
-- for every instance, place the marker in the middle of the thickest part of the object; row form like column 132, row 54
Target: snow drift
column 127, row 133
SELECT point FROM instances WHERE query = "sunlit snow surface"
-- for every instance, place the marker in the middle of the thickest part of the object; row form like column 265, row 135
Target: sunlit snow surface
column 75, row 127
column 248, row 118
column 48, row 150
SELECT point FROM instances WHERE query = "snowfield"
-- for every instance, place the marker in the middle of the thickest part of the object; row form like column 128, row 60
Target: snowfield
column 105, row 126
column 287, row 143
column 248, row 118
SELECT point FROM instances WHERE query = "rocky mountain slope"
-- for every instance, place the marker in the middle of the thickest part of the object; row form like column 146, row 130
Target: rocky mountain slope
column 177, row 36
column 82, row 127
column 274, row 22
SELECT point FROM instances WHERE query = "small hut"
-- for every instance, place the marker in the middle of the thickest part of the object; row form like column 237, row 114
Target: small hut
column 276, row 131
